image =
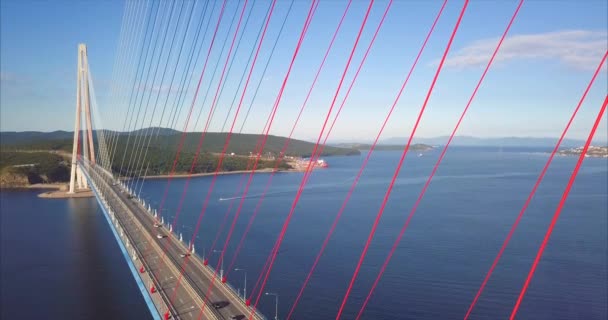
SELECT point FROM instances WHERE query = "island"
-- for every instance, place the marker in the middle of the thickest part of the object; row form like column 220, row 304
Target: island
column 596, row 152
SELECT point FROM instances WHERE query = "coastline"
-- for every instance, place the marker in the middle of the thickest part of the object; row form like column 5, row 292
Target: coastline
column 204, row 174
column 50, row 190
column 44, row 186
column 592, row 152
column 59, row 188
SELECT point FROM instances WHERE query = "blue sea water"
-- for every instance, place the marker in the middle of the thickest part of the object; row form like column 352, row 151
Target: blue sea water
column 59, row 260
column 447, row 249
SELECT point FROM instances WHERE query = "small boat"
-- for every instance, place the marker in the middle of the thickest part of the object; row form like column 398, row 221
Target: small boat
column 321, row 163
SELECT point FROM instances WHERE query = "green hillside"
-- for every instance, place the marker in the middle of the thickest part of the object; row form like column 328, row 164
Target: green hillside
column 240, row 144
column 22, row 168
column 42, row 150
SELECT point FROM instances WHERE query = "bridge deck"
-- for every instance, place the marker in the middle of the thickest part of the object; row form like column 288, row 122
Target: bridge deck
column 163, row 260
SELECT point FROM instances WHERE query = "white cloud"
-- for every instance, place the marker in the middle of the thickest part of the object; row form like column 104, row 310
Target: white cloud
column 576, row 48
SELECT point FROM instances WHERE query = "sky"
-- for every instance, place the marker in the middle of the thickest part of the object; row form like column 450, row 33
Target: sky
column 535, row 83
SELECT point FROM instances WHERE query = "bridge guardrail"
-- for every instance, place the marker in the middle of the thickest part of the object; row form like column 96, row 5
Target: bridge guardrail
column 152, row 277
column 229, row 289
column 192, row 285
column 161, row 290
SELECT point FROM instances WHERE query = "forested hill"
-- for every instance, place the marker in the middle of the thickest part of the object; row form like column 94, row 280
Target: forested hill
column 168, row 140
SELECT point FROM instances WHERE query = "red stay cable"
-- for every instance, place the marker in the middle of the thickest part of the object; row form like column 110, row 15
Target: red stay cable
column 390, row 187
column 285, row 145
column 311, row 12
column 225, row 218
column 350, row 191
column 206, row 201
column 224, row 149
column 560, row 206
column 183, row 135
column 207, row 123
column 436, row 166
column 309, row 167
column 236, row 194
column 533, row 192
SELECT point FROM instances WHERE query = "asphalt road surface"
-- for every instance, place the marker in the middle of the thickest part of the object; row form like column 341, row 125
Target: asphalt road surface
column 163, row 258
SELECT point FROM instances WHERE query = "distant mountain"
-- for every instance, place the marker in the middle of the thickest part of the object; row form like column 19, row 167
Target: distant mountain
column 475, row 141
column 385, row 147
column 13, row 137
column 156, row 130
column 24, row 137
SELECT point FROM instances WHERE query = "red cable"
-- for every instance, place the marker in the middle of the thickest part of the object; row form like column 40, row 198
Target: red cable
column 182, row 138
column 390, row 187
column 279, row 159
column 312, row 9
column 255, row 287
column 531, row 195
column 309, row 167
column 207, row 123
column 236, row 194
column 443, row 152
column 350, row 87
column 219, row 165
column 183, row 135
column 225, row 218
column 543, row 245
column 341, row 210
column 285, row 145
column 229, row 135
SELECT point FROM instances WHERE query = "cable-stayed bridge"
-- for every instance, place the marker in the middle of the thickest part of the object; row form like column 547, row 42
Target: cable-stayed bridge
column 172, row 288
column 174, row 280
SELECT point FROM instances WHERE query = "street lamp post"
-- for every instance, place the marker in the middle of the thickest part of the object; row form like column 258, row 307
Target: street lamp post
column 221, row 263
column 276, row 304
column 245, row 285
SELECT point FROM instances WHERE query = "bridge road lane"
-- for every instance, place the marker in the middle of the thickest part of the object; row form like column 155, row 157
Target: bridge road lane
column 199, row 275
column 196, row 274
column 187, row 302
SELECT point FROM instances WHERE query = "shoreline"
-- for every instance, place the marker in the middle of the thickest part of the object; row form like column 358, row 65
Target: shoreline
column 64, row 185
column 43, row 186
column 63, row 194
column 205, row 174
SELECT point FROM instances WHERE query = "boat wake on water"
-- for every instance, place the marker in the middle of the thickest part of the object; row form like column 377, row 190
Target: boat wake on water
column 253, row 196
column 288, row 192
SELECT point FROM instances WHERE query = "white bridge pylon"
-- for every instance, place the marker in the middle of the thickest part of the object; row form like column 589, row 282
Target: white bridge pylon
column 77, row 178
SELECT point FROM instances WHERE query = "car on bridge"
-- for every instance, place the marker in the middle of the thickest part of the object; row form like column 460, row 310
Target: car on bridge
column 220, row 304
column 160, row 236
column 183, row 255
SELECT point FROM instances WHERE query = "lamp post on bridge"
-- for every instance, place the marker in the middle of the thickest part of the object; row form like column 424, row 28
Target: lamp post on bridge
column 276, row 304
column 245, row 285
column 221, row 264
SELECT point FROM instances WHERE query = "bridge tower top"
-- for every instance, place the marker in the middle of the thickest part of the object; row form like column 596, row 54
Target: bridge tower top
column 77, row 178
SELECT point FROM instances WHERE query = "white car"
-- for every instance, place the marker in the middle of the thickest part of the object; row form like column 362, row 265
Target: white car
column 160, row 236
